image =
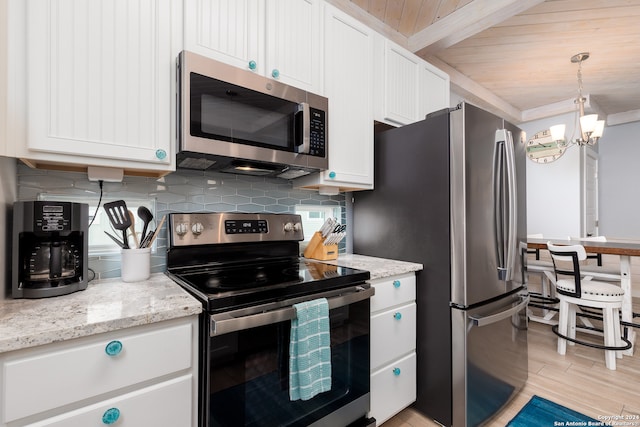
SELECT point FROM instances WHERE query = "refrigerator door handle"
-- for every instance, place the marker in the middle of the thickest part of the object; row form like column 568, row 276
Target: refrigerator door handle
column 512, row 235
column 499, row 209
column 488, row 320
column 505, row 204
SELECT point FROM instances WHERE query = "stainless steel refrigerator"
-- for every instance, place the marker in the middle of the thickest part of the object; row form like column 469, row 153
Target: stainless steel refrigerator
column 450, row 194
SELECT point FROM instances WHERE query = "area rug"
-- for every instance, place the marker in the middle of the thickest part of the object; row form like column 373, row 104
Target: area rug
column 539, row 412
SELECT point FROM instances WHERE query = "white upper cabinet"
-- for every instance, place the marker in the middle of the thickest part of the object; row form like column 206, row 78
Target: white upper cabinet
column 348, row 72
column 99, row 83
column 407, row 87
column 280, row 39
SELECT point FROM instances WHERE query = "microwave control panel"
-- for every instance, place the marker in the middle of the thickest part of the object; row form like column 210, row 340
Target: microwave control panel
column 317, row 133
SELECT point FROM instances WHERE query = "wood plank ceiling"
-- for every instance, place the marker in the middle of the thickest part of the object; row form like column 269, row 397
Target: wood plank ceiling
column 513, row 56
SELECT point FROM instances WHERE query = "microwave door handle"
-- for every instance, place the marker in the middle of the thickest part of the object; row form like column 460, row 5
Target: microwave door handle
column 303, row 140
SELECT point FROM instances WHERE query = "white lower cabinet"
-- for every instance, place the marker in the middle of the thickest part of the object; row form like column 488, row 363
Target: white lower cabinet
column 393, row 346
column 146, row 375
column 395, row 388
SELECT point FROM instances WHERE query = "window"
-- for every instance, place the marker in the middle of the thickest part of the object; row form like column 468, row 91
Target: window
column 99, row 242
column 314, row 216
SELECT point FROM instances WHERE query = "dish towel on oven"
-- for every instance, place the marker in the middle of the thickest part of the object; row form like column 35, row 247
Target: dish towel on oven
column 310, row 350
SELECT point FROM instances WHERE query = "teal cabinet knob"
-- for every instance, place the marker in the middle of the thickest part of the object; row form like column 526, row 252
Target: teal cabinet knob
column 396, row 284
column 252, row 65
column 275, row 73
column 396, row 371
column 332, row 174
column 113, row 348
column 397, row 316
column 110, row 416
column 161, row 154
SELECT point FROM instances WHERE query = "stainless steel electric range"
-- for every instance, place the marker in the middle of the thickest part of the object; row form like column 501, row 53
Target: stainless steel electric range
column 246, row 270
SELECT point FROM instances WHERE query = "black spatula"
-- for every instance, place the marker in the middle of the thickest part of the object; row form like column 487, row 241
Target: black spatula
column 119, row 216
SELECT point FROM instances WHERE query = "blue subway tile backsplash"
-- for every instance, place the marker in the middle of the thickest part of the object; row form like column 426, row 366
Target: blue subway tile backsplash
column 181, row 191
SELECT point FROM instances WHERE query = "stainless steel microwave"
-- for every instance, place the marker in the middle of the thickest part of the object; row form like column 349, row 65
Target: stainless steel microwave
column 234, row 120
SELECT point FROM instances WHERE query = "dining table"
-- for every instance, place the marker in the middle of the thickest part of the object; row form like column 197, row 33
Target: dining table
column 625, row 249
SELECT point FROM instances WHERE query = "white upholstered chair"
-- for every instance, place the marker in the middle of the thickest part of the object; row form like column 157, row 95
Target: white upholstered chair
column 573, row 290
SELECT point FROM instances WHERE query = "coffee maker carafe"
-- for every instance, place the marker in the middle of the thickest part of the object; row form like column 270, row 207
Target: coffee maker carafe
column 50, row 246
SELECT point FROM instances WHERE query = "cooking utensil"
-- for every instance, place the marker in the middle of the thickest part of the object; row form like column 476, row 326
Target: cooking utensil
column 146, row 216
column 119, row 216
column 132, row 217
column 155, row 233
column 115, row 239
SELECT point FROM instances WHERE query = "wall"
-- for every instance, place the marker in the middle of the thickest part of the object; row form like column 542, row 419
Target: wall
column 619, row 193
column 557, row 185
column 183, row 191
column 553, row 189
column 8, row 194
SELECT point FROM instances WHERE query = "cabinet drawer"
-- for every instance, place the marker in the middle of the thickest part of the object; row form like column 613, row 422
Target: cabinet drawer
column 393, row 334
column 81, row 370
column 167, row 404
column 392, row 291
column 393, row 388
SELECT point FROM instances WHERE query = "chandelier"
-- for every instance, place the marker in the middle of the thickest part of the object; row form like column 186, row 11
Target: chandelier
column 589, row 126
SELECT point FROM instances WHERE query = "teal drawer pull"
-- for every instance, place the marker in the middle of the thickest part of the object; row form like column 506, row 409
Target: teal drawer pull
column 161, row 154
column 275, row 73
column 252, row 65
column 397, row 316
column 113, row 348
column 396, row 284
column 396, row 371
column 110, row 416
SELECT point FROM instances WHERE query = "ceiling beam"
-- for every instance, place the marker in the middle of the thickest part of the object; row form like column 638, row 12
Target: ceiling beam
column 465, row 22
column 477, row 94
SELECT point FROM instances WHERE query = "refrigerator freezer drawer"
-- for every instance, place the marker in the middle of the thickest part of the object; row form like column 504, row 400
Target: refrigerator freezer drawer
column 393, row 334
column 393, row 291
column 393, row 388
column 490, row 351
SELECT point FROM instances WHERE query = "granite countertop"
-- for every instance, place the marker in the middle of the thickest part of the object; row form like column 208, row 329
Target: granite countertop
column 109, row 305
column 378, row 267
column 104, row 306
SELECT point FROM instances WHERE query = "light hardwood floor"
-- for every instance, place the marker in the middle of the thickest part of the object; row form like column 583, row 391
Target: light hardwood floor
column 579, row 380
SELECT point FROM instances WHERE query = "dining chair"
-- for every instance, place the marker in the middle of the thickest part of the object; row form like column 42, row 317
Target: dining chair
column 598, row 271
column 575, row 291
column 597, row 257
column 545, row 299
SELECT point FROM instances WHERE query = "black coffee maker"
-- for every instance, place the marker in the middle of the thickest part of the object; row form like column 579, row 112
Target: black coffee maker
column 50, row 246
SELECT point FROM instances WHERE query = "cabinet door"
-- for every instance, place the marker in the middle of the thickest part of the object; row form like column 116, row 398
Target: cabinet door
column 99, row 78
column 400, row 85
column 229, row 31
column 294, row 43
column 433, row 88
column 348, row 85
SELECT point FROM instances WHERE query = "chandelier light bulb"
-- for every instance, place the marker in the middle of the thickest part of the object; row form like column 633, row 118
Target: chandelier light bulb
column 588, row 123
column 599, row 129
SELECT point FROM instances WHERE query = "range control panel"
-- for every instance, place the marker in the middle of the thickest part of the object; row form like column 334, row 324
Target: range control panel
column 190, row 229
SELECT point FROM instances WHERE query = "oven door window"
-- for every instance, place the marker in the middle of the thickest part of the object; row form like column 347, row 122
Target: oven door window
column 249, row 373
column 226, row 112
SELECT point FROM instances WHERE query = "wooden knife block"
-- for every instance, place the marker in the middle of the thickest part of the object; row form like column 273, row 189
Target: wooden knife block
column 316, row 249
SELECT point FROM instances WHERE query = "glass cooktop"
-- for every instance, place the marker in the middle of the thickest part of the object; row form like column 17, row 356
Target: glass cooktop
column 239, row 285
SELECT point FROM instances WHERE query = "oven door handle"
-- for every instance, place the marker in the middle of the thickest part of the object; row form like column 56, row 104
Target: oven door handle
column 223, row 323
